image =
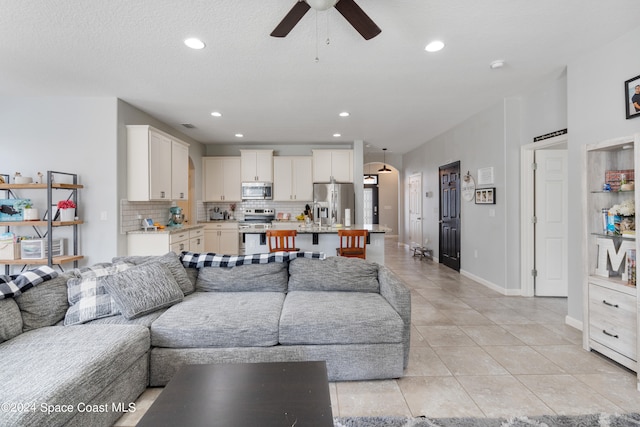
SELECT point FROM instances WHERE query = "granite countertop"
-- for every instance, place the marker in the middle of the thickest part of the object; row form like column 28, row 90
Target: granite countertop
column 168, row 230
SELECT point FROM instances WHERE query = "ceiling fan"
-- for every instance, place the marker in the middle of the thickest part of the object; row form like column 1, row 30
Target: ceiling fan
column 348, row 8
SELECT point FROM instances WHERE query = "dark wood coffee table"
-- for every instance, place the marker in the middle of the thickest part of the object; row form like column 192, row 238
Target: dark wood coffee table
column 245, row 394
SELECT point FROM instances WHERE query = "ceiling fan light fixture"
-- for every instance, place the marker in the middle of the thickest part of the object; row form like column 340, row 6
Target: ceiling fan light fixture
column 321, row 4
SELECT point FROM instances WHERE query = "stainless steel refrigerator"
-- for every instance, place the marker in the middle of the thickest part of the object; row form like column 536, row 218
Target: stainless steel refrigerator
column 330, row 201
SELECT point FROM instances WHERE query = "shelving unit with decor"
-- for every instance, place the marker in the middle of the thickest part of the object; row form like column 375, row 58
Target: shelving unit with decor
column 44, row 227
column 611, row 303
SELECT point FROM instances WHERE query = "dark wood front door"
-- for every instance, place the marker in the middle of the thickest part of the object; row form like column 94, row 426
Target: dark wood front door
column 450, row 215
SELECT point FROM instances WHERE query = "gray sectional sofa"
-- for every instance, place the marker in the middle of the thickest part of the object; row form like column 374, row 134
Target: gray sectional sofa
column 133, row 323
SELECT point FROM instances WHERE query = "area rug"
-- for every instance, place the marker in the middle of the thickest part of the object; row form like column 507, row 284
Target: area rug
column 592, row 420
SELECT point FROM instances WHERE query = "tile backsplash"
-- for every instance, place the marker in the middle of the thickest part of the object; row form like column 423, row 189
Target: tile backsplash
column 159, row 211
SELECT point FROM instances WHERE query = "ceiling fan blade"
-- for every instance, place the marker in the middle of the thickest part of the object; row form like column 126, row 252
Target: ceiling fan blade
column 291, row 19
column 358, row 19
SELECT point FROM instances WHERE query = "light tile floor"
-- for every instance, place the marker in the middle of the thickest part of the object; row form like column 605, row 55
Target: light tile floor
column 475, row 352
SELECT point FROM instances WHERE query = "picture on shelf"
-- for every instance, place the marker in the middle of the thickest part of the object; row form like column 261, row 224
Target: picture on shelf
column 13, row 209
column 632, row 97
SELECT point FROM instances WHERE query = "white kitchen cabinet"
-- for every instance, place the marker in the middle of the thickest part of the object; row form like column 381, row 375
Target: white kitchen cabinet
column 161, row 242
column 336, row 165
column 221, row 238
column 179, row 171
column 151, row 167
column 221, row 177
column 257, row 165
column 611, row 301
column 292, row 178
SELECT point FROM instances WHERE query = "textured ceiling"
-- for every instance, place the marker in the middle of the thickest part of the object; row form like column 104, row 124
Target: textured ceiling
column 272, row 90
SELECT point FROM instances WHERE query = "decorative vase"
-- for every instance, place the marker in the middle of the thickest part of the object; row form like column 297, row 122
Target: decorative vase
column 68, row 214
column 31, row 214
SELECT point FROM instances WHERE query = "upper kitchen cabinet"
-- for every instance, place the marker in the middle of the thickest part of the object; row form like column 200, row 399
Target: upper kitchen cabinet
column 257, row 165
column 157, row 165
column 221, row 177
column 292, row 178
column 336, row 165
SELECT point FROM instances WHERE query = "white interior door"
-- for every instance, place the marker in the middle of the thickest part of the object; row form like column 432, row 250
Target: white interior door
column 551, row 211
column 415, row 210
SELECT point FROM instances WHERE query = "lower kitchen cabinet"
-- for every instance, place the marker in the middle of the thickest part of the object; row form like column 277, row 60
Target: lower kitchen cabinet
column 221, row 238
column 161, row 242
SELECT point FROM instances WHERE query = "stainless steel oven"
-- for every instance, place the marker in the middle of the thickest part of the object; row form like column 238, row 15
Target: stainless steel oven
column 253, row 238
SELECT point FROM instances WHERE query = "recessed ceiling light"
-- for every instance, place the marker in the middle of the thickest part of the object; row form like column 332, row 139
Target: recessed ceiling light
column 216, row 114
column 344, row 114
column 239, row 135
column 498, row 63
column 337, row 135
column 434, row 46
column 194, row 43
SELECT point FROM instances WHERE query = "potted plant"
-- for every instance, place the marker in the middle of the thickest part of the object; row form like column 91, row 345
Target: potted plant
column 30, row 213
column 67, row 209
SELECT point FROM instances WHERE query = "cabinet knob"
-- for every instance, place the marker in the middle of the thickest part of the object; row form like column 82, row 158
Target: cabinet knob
column 162, row 194
column 181, row 246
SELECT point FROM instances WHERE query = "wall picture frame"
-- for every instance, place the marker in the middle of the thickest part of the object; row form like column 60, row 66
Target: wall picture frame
column 632, row 97
column 486, row 196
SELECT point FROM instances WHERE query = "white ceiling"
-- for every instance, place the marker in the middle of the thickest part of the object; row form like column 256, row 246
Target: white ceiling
column 272, row 90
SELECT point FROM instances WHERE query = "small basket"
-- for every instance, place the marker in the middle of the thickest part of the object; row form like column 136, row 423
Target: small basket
column 10, row 250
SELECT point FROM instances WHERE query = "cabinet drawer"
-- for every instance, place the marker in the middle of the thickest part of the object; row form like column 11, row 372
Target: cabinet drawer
column 178, row 237
column 198, row 232
column 612, row 319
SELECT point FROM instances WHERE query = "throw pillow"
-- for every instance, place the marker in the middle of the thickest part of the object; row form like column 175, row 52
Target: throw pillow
column 333, row 274
column 87, row 295
column 271, row 277
column 172, row 261
column 143, row 289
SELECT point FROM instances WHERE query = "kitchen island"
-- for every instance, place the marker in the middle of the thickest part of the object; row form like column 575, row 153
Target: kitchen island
column 321, row 239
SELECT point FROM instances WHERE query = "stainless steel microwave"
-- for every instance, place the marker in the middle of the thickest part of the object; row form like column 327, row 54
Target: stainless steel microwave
column 257, row 191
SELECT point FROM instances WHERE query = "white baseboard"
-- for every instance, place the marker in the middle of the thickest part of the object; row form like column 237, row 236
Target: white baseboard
column 492, row 286
column 574, row 323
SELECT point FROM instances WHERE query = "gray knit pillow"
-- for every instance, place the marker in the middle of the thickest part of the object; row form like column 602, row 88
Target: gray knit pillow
column 10, row 319
column 143, row 289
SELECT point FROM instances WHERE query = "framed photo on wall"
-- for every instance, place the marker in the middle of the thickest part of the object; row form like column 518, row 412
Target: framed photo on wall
column 486, row 196
column 632, row 97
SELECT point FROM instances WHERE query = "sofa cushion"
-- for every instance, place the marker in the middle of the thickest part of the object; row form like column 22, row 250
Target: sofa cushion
column 10, row 319
column 143, row 289
column 210, row 259
column 333, row 274
column 172, row 261
column 220, row 319
column 65, row 366
column 338, row 318
column 271, row 277
column 46, row 304
column 87, row 295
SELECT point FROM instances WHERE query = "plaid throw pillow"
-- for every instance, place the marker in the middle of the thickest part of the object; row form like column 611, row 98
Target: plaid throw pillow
column 195, row 260
column 88, row 297
column 14, row 285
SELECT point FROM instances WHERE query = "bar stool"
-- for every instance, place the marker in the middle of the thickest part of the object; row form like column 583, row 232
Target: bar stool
column 353, row 243
column 282, row 240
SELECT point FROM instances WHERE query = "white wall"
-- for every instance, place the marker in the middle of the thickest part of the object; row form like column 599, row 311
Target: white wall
column 76, row 135
column 596, row 111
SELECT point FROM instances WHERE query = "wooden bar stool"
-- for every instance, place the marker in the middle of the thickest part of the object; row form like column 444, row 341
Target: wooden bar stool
column 353, row 243
column 282, row 240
